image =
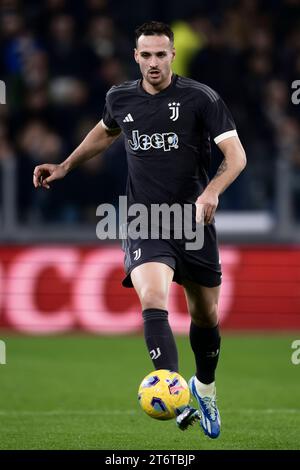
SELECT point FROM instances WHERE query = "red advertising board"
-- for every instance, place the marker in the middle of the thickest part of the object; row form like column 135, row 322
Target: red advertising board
column 52, row 289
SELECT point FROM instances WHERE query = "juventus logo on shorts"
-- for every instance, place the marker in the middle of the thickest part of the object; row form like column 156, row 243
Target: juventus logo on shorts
column 137, row 254
column 174, row 107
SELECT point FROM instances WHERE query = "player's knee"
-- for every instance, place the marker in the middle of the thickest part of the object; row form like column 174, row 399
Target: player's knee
column 153, row 298
column 205, row 317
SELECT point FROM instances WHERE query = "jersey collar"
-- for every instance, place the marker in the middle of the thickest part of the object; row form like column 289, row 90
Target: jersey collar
column 163, row 92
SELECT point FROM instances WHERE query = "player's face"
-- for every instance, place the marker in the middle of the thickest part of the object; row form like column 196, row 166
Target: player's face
column 155, row 54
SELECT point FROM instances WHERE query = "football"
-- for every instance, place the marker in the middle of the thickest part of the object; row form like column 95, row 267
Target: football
column 163, row 394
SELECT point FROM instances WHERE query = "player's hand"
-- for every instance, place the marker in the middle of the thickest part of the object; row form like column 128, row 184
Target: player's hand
column 45, row 174
column 206, row 206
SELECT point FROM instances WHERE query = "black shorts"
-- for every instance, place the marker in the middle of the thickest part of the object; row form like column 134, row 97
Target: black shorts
column 200, row 266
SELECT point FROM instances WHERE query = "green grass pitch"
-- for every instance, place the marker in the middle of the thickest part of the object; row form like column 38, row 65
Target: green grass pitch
column 80, row 392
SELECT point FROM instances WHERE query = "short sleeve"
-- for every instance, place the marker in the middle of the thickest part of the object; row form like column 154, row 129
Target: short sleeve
column 107, row 117
column 216, row 117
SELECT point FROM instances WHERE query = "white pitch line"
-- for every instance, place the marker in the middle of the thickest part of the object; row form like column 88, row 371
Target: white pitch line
column 66, row 412
column 133, row 412
column 265, row 411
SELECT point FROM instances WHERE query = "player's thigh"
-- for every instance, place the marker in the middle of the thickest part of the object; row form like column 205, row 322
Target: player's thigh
column 202, row 303
column 152, row 282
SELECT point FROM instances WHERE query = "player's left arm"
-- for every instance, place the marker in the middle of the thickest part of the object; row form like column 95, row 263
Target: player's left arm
column 233, row 163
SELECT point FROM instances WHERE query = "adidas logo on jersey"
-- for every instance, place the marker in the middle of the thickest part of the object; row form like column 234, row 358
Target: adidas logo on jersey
column 128, row 118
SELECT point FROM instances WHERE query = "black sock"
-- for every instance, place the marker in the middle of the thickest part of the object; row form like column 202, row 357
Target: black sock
column 159, row 339
column 205, row 343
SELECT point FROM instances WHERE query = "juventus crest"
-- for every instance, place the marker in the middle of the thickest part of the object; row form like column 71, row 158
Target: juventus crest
column 174, row 107
column 137, row 254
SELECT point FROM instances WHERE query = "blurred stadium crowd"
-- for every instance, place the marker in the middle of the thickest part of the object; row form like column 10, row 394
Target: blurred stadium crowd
column 59, row 58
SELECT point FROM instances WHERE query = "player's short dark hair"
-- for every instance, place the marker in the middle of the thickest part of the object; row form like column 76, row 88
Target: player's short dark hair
column 154, row 28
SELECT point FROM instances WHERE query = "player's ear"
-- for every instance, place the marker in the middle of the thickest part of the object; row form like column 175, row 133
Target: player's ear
column 136, row 56
column 173, row 53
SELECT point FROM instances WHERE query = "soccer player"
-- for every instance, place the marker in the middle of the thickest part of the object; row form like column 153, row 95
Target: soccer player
column 167, row 122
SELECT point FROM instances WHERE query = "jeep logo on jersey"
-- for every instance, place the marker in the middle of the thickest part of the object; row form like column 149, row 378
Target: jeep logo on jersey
column 166, row 141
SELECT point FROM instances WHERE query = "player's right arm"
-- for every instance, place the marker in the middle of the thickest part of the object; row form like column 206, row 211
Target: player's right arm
column 95, row 143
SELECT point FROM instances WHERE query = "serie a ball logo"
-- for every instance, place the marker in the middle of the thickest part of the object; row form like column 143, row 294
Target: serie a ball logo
column 163, row 394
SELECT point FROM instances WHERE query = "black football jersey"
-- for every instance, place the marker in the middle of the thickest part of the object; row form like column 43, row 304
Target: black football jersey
column 167, row 137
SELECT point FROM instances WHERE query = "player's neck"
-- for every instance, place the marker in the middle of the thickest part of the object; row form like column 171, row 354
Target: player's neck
column 153, row 90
